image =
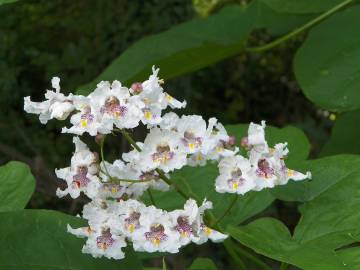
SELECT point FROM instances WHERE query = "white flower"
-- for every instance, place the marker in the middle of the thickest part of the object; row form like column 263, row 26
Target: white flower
column 88, row 119
column 192, row 131
column 113, row 104
column 173, row 103
column 161, row 151
column 56, row 105
column 285, row 174
column 152, row 95
column 256, row 139
column 128, row 218
column 98, row 213
column 80, row 176
column 105, row 243
column 218, row 143
column 235, row 175
column 197, row 159
column 156, row 234
column 203, row 232
column 79, row 232
column 184, row 222
column 102, row 240
column 270, row 169
column 169, row 121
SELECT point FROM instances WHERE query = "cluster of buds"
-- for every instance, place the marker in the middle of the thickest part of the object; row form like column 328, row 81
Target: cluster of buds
column 116, row 214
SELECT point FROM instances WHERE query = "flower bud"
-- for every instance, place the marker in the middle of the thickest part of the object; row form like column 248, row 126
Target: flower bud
column 137, row 87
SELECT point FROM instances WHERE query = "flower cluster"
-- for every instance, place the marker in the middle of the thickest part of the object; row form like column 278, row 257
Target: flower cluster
column 265, row 167
column 116, row 214
column 148, row 228
column 108, row 106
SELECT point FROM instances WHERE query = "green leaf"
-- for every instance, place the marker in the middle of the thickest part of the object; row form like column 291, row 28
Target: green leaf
column 203, row 264
column 16, row 186
column 37, row 240
column 326, row 172
column 200, row 181
column 278, row 23
column 7, row 1
column 344, row 135
column 301, row 6
column 329, row 225
column 184, row 48
column 326, row 66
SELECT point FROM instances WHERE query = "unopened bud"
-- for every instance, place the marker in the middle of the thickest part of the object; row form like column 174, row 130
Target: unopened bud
column 137, row 87
column 244, row 142
column 232, row 140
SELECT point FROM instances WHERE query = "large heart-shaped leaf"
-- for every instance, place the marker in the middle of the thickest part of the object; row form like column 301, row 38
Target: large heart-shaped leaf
column 329, row 224
column 184, row 48
column 327, row 64
column 344, row 135
column 326, row 172
column 16, row 186
column 37, row 240
column 301, row 6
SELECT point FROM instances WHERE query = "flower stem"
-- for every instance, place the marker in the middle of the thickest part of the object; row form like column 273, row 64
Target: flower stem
column 300, row 29
column 160, row 172
column 131, row 180
column 228, row 209
column 129, row 139
column 151, row 197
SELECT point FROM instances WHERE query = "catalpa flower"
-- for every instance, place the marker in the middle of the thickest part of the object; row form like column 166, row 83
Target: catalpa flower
column 192, row 131
column 157, row 234
column 81, row 175
column 115, row 105
column 105, row 243
column 203, row 232
column 270, row 168
column 218, row 143
column 236, row 175
column 87, row 119
column 161, row 150
column 56, row 105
